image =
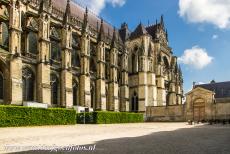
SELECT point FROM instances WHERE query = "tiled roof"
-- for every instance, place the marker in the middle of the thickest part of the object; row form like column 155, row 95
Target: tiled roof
column 221, row 89
column 78, row 12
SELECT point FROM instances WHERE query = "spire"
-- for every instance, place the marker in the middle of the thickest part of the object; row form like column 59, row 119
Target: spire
column 176, row 68
column 180, row 72
column 85, row 22
column 114, row 39
column 166, row 34
column 162, row 21
column 101, row 32
column 67, row 14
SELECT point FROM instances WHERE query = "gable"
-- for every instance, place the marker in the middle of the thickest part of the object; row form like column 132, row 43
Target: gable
column 200, row 90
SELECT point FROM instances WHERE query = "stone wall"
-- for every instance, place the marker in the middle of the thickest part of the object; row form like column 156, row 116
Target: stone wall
column 222, row 110
column 165, row 113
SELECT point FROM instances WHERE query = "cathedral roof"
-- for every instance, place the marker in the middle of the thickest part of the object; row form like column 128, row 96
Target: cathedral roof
column 152, row 30
column 94, row 21
column 139, row 31
column 221, row 89
column 78, row 11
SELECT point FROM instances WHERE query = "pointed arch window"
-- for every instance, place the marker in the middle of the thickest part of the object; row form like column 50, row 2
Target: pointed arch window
column 1, row 86
column 76, row 51
column 55, row 43
column 28, row 84
column 107, row 64
column 76, row 58
column 32, row 43
column 23, row 35
column 5, row 35
column 134, row 105
column 107, row 71
column 55, row 50
column 54, row 89
column 134, row 63
column 93, row 65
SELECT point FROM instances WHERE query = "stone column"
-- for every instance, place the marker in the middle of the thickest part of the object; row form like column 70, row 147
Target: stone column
column 66, row 75
column 43, row 68
column 161, row 93
column 15, row 49
column 142, row 77
column 124, row 87
column 85, row 99
column 100, row 83
column 113, row 85
column 142, row 91
column 152, row 89
column 172, row 93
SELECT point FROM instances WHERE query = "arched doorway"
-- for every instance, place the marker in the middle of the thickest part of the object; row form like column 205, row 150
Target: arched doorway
column 93, row 95
column 28, row 81
column 54, row 89
column 75, row 93
column 1, row 87
column 134, row 104
column 199, row 110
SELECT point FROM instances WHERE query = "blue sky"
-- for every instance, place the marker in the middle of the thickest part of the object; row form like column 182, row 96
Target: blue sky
column 199, row 31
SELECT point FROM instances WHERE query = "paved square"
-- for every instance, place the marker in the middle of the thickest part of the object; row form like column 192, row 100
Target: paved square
column 119, row 138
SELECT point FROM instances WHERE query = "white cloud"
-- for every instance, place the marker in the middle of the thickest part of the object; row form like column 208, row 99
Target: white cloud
column 98, row 5
column 216, row 12
column 195, row 57
column 215, row 36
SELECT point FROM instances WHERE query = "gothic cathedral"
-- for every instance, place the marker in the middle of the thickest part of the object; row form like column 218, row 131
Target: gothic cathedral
column 57, row 53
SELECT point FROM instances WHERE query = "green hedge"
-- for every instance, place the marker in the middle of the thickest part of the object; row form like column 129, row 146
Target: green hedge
column 109, row 117
column 26, row 116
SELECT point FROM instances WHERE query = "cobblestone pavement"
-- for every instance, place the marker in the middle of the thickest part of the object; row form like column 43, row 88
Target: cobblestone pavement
column 165, row 138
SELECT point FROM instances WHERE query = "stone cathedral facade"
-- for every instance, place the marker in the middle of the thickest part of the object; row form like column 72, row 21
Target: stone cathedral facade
column 55, row 52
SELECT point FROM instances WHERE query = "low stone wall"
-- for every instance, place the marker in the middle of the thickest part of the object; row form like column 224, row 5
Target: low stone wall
column 165, row 113
column 222, row 110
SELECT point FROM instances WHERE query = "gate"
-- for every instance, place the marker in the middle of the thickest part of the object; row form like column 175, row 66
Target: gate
column 199, row 110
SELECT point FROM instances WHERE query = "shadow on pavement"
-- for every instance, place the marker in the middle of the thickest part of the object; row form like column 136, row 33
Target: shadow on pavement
column 204, row 139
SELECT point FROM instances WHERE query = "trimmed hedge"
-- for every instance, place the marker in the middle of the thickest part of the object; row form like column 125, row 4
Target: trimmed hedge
column 11, row 116
column 109, row 117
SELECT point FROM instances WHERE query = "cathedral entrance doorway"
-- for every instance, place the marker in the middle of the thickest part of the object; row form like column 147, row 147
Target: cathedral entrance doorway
column 134, row 107
column 28, row 81
column 199, row 110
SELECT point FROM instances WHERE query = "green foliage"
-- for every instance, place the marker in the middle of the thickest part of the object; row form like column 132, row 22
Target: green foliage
column 11, row 116
column 109, row 117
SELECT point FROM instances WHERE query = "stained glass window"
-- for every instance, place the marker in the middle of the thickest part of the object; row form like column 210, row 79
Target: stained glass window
column 55, row 50
column 32, row 43
column 5, row 35
column 93, row 65
column 75, row 58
